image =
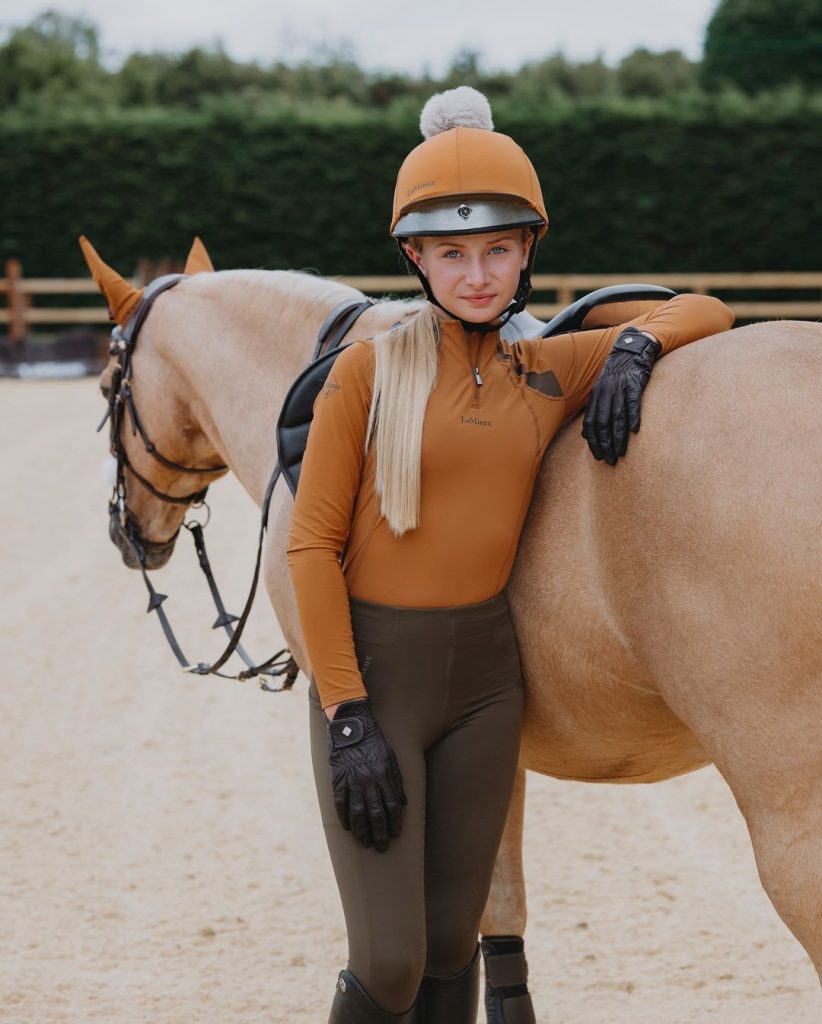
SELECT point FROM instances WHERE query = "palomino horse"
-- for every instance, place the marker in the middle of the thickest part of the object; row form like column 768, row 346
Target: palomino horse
column 668, row 609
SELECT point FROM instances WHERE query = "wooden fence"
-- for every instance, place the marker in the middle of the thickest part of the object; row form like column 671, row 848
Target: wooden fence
column 552, row 293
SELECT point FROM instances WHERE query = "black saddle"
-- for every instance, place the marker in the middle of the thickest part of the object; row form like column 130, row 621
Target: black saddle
column 298, row 408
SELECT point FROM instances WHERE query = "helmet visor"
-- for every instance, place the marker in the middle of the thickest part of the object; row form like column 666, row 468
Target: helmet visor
column 468, row 216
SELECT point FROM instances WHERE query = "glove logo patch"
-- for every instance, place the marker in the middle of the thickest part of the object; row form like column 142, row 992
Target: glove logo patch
column 347, row 731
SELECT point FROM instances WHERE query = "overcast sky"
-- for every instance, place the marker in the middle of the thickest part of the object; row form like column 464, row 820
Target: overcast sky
column 387, row 34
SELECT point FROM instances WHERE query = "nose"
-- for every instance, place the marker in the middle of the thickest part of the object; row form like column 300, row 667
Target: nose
column 476, row 271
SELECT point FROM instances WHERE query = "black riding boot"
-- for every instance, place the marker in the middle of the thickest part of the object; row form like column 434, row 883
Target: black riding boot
column 353, row 1005
column 451, row 1000
column 507, row 1000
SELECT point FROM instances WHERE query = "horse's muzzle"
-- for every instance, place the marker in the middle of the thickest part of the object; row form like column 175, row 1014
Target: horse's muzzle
column 155, row 553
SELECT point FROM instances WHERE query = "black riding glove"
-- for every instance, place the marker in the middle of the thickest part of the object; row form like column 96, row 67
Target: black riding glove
column 365, row 778
column 613, row 405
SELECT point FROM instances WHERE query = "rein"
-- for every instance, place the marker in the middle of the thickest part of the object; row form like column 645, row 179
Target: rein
column 334, row 328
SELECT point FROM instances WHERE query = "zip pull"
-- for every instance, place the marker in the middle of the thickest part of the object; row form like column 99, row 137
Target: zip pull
column 476, row 374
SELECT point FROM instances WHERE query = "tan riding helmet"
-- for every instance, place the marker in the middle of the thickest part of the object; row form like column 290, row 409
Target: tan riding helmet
column 465, row 178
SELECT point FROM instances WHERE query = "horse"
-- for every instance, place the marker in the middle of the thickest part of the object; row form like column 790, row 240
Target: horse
column 666, row 608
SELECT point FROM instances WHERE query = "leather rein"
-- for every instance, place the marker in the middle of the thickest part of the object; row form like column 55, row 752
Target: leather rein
column 120, row 399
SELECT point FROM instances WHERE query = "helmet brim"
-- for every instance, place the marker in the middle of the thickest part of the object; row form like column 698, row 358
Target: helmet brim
column 468, row 216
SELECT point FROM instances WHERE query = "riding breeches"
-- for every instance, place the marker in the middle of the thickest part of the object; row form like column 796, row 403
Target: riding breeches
column 446, row 688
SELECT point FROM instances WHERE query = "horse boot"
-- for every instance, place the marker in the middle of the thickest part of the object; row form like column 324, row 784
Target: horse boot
column 353, row 1005
column 450, row 1000
column 507, row 999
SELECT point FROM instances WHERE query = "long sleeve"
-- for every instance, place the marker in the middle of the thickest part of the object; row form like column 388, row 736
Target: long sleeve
column 329, row 481
column 577, row 359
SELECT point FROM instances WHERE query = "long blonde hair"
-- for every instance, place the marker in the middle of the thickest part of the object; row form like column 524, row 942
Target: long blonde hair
column 405, row 374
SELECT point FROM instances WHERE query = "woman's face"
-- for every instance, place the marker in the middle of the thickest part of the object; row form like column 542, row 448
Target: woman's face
column 474, row 276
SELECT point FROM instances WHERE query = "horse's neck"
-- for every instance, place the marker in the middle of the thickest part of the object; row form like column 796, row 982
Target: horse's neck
column 236, row 341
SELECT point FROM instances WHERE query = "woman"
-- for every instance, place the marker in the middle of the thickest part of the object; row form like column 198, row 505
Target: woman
column 417, row 476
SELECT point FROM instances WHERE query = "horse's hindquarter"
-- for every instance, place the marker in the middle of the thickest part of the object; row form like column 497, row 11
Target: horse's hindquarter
column 680, row 585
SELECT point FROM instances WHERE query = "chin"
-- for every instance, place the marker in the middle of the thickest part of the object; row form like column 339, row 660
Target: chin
column 482, row 315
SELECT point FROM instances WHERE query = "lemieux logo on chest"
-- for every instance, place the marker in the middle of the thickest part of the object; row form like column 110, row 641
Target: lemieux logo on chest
column 475, row 421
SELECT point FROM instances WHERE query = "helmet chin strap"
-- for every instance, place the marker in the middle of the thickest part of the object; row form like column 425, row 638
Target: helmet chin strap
column 516, row 306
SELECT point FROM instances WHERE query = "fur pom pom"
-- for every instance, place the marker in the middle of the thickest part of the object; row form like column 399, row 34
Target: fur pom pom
column 463, row 107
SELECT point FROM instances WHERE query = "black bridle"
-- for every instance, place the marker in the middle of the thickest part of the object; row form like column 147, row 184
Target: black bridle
column 123, row 523
column 123, row 341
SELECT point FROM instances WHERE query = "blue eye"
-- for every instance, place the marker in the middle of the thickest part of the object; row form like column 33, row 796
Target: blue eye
column 499, row 248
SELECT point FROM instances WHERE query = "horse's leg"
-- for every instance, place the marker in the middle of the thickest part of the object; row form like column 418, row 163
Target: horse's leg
column 503, row 923
column 764, row 737
column 779, row 791
column 505, row 910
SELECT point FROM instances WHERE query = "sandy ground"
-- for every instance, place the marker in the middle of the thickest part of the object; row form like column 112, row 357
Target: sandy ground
column 161, row 858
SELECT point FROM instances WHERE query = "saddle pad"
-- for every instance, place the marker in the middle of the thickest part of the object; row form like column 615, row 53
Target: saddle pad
column 297, row 413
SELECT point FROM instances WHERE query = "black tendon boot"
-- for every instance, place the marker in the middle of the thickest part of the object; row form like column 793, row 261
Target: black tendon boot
column 507, row 1000
column 451, row 1000
column 353, row 1005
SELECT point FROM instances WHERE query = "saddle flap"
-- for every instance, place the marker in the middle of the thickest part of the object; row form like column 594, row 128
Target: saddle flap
column 297, row 413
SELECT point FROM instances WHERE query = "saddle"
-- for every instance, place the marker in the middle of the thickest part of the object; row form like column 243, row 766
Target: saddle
column 600, row 308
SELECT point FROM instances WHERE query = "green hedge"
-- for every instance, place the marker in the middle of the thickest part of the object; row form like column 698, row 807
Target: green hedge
column 629, row 188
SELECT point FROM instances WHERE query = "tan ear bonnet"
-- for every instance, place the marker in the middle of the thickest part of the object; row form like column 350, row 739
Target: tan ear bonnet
column 122, row 297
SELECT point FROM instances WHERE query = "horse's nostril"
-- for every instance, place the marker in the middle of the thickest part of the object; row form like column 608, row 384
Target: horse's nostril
column 106, row 390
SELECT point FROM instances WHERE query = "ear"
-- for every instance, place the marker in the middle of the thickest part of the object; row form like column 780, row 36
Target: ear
column 412, row 255
column 198, row 261
column 122, row 297
column 529, row 241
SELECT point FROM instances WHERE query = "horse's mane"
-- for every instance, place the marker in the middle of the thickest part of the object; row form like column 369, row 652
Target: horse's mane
column 253, row 293
column 255, row 296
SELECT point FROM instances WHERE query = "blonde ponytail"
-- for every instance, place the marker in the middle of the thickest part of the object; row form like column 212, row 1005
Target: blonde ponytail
column 405, row 374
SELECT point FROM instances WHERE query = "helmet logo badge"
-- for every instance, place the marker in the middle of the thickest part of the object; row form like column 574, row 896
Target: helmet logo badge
column 464, row 211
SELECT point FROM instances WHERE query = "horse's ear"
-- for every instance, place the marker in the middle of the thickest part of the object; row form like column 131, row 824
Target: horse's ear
column 121, row 296
column 198, row 261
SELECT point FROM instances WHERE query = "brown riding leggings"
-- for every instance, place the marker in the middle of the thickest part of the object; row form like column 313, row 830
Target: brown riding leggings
column 446, row 688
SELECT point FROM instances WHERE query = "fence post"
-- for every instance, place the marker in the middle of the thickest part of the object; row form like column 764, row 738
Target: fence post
column 565, row 295
column 16, row 301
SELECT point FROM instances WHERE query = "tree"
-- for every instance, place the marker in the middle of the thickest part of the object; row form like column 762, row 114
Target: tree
column 761, row 44
column 52, row 57
column 643, row 73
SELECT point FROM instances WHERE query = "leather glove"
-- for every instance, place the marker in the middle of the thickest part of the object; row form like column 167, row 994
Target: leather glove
column 365, row 778
column 613, row 405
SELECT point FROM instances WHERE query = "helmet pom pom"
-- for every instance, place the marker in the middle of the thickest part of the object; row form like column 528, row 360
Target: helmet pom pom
column 463, row 107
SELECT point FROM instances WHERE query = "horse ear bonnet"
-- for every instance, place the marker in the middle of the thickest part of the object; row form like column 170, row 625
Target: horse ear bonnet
column 198, row 261
column 121, row 296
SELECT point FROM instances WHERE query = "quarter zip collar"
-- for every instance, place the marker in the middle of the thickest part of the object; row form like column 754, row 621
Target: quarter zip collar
column 453, row 336
column 471, row 349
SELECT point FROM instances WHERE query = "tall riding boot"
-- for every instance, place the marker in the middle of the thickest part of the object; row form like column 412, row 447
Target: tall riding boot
column 507, row 1000
column 353, row 1005
column 451, row 1000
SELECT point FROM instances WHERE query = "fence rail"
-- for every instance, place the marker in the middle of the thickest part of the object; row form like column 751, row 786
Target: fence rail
column 19, row 312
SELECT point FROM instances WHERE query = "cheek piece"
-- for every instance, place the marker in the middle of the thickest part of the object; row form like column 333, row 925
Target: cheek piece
column 517, row 304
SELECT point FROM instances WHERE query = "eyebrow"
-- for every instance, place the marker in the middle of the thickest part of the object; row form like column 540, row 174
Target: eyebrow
column 460, row 245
